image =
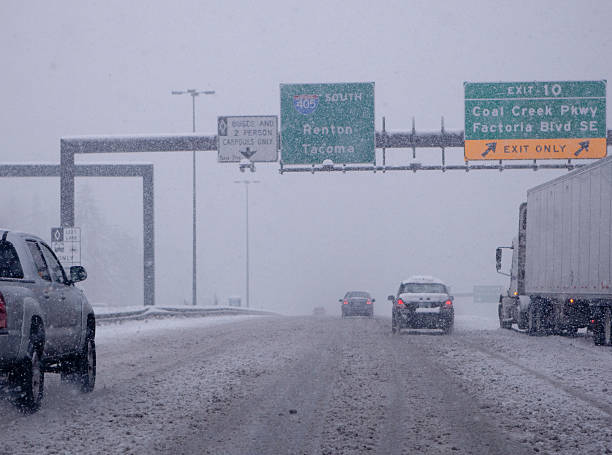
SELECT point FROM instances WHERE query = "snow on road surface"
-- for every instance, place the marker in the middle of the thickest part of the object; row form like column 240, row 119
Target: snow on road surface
column 270, row 384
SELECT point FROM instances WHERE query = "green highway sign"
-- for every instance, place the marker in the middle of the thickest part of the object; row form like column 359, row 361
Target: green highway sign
column 327, row 122
column 535, row 120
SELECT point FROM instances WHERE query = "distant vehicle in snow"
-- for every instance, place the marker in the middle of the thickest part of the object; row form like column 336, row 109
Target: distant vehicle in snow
column 46, row 323
column 486, row 293
column 422, row 302
column 318, row 311
column 561, row 278
column 357, row 303
column 234, row 301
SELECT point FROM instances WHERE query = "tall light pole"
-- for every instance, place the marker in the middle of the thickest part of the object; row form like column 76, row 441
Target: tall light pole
column 194, row 93
column 246, row 187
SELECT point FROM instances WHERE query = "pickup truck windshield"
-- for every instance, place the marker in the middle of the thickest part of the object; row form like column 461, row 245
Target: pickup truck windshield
column 10, row 267
column 422, row 288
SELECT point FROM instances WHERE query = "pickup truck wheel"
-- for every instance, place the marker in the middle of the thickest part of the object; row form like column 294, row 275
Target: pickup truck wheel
column 28, row 381
column 394, row 327
column 87, row 366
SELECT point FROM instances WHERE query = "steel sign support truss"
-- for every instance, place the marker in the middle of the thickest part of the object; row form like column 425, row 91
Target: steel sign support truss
column 413, row 140
column 190, row 142
column 107, row 170
column 124, row 144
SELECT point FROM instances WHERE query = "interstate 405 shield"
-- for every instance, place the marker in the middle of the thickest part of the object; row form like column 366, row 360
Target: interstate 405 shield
column 535, row 120
column 327, row 122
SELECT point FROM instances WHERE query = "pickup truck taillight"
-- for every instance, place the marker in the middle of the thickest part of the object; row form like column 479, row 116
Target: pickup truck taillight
column 448, row 302
column 345, row 302
column 400, row 302
column 2, row 312
column 369, row 302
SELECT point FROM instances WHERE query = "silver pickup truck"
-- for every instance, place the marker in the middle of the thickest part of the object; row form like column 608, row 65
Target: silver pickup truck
column 46, row 323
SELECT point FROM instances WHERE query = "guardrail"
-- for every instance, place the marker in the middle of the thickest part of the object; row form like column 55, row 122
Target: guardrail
column 161, row 312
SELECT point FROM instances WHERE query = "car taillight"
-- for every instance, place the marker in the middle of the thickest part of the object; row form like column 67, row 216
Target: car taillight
column 345, row 302
column 369, row 302
column 2, row 312
column 400, row 302
column 448, row 302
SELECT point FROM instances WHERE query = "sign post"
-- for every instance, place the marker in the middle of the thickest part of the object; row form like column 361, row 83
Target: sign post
column 327, row 122
column 535, row 120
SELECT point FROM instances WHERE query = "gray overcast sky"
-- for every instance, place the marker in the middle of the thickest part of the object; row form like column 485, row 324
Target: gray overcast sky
column 107, row 67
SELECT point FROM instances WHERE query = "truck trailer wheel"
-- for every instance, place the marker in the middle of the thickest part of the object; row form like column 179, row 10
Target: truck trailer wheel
column 503, row 324
column 534, row 320
column 602, row 332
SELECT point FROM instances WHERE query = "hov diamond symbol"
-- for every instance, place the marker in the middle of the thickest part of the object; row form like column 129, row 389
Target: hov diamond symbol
column 222, row 126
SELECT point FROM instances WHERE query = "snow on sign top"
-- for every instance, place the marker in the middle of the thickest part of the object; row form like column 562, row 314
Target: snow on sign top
column 248, row 136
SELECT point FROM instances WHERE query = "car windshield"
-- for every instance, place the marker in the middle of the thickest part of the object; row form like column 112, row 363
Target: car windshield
column 422, row 288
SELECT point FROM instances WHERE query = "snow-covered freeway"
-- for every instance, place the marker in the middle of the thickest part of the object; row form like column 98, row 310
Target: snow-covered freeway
column 288, row 385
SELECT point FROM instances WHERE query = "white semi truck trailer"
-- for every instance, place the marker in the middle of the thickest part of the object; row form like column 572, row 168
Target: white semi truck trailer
column 561, row 273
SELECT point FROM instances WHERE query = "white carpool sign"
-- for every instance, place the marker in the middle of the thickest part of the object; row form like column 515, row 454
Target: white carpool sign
column 66, row 244
column 248, row 136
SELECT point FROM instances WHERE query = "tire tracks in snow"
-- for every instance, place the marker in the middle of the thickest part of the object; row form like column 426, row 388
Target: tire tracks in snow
column 572, row 391
column 278, row 412
column 430, row 400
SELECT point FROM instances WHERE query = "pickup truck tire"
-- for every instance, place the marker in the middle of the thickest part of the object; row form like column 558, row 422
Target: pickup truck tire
column 28, row 381
column 394, row 328
column 81, row 369
column 87, row 366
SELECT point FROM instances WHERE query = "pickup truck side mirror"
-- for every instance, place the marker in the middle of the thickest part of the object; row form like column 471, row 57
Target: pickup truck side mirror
column 77, row 273
column 373, row 300
column 498, row 259
column 391, row 298
column 340, row 300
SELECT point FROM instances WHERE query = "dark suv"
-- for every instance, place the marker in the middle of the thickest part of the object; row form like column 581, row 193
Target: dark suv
column 357, row 303
column 422, row 302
